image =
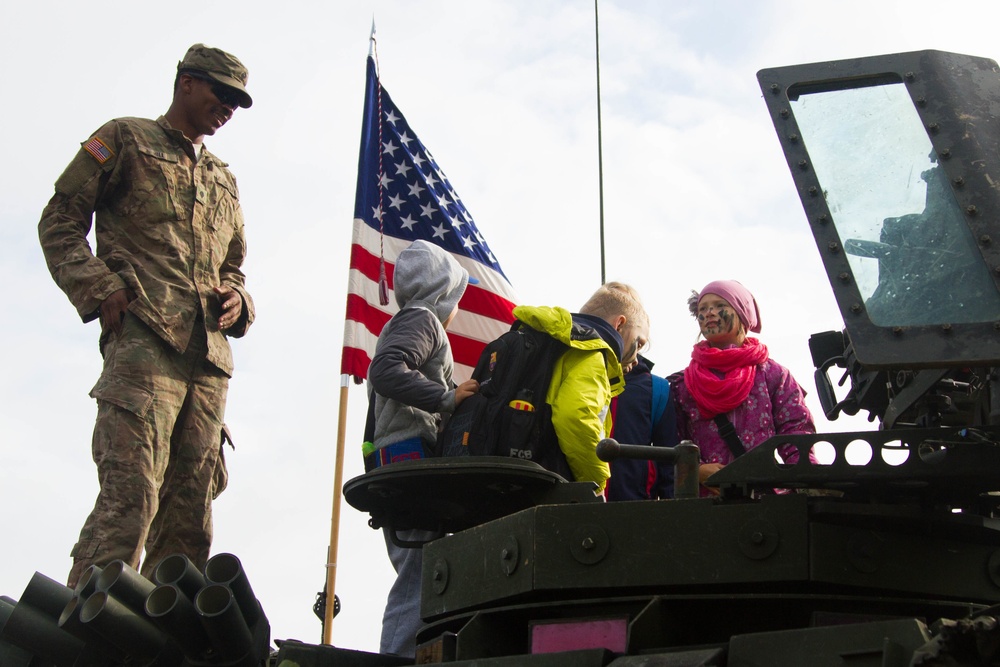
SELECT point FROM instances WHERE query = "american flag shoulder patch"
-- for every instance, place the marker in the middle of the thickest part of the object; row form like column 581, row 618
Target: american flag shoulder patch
column 98, row 150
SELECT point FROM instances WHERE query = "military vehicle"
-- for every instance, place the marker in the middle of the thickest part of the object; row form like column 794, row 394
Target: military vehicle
column 886, row 553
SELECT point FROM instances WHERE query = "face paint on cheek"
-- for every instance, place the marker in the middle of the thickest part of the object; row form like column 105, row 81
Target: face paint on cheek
column 727, row 320
column 631, row 353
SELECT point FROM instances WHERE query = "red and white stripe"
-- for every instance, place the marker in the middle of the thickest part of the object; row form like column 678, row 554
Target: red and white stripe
column 484, row 311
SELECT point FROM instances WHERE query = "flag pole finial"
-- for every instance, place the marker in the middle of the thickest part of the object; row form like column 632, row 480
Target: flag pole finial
column 371, row 40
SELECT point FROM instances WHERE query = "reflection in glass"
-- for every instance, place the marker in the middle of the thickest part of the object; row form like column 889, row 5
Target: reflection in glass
column 912, row 255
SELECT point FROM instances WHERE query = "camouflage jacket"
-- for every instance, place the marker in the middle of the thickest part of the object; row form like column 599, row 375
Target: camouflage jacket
column 168, row 227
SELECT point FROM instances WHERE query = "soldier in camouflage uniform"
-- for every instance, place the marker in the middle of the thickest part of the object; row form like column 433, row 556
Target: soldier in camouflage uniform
column 167, row 287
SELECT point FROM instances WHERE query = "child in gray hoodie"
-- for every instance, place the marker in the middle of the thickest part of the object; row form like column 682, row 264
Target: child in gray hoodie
column 411, row 375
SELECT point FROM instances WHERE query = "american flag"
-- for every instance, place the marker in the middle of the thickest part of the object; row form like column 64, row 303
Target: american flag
column 401, row 185
column 98, row 149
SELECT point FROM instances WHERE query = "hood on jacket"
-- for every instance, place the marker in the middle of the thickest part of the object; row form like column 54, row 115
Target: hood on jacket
column 427, row 275
column 576, row 333
column 582, row 321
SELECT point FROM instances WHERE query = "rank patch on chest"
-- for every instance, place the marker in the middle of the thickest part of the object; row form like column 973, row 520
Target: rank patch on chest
column 98, row 150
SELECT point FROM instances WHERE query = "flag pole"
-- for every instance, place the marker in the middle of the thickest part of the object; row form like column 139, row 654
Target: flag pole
column 380, row 233
column 338, row 474
column 338, row 485
column 600, row 150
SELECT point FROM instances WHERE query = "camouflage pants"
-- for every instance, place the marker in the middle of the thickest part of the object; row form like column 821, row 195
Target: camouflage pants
column 157, row 446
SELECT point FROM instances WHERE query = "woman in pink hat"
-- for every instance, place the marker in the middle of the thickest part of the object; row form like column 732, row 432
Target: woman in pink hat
column 733, row 396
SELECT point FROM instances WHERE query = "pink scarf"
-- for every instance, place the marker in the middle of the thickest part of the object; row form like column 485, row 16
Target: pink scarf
column 714, row 395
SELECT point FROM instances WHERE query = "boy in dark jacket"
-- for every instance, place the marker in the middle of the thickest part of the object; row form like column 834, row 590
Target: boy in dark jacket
column 643, row 414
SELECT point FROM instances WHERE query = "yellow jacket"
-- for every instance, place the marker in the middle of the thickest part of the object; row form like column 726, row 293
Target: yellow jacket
column 585, row 379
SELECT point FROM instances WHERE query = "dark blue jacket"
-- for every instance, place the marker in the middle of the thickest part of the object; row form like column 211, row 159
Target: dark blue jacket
column 633, row 425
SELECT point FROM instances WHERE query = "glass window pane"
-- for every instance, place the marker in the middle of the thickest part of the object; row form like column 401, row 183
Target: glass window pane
column 909, row 248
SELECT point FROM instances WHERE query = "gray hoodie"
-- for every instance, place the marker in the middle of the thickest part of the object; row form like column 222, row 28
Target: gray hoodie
column 412, row 367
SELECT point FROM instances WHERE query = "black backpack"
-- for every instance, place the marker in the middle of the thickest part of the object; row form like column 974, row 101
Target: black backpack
column 509, row 415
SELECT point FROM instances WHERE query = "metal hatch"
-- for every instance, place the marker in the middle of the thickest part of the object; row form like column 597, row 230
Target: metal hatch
column 896, row 162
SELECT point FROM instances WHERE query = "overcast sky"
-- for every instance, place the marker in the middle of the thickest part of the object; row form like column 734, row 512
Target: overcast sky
column 503, row 94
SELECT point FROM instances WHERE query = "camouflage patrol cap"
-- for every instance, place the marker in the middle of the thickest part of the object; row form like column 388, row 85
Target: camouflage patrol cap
column 221, row 66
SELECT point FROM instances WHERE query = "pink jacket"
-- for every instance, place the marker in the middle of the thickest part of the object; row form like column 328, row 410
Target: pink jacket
column 775, row 406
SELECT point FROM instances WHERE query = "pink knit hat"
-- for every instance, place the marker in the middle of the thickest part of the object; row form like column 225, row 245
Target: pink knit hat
column 740, row 298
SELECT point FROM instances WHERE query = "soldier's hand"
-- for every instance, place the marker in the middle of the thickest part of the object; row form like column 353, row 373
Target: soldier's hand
column 113, row 309
column 231, row 304
column 464, row 390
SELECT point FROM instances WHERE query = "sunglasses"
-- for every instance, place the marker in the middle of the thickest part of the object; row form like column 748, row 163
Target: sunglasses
column 223, row 93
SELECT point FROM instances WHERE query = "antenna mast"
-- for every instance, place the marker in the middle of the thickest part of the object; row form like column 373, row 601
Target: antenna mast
column 600, row 149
